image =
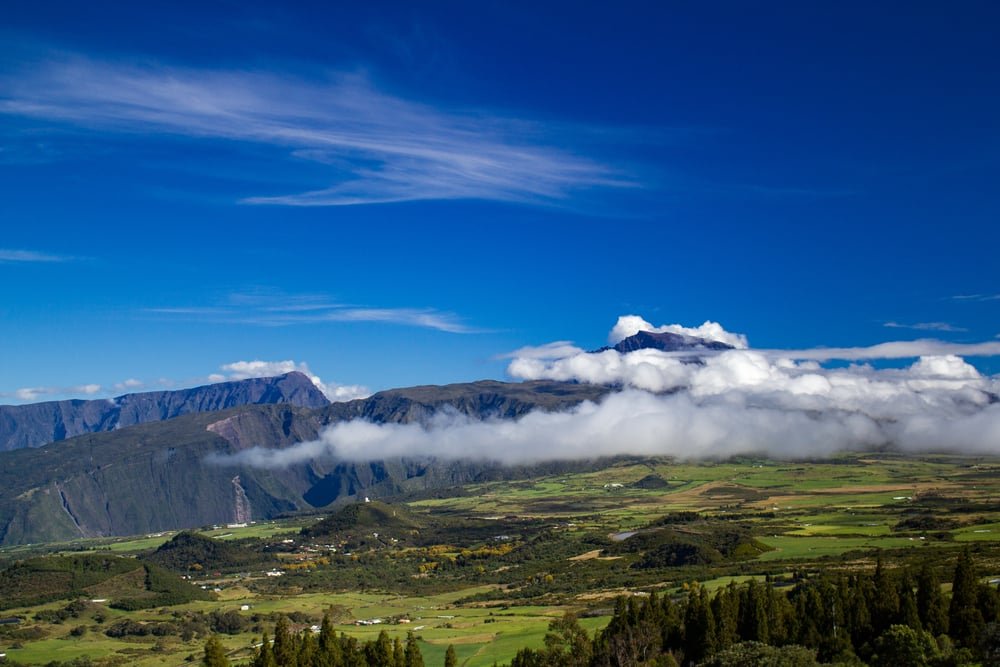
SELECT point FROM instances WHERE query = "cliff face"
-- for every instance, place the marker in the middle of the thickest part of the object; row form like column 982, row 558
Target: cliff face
column 486, row 398
column 38, row 424
column 160, row 475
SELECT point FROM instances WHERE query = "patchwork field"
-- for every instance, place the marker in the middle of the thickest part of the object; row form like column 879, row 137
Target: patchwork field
column 487, row 567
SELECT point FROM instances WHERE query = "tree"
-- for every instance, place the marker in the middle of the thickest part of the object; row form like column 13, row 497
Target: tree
column 328, row 653
column 215, row 653
column 858, row 615
column 412, row 652
column 699, row 626
column 726, row 610
column 989, row 646
column 308, row 649
column 450, row 658
column 754, row 654
column 964, row 618
column 398, row 654
column 903, row 646
column 637, row 632
column 753, row 624
column 285, row 653
column 567, row 643
column 264, row 656
column 886, row 601
column 909, row 614
column 931, row 605
column 380, row 652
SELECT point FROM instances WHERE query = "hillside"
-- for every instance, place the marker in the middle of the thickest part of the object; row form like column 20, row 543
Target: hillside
column 157, row 476
column 490, row 566
column 126, row 583
column 365, row 516
column 147, row 478
column 485, row 398
column 190, row 552
column 38, row 424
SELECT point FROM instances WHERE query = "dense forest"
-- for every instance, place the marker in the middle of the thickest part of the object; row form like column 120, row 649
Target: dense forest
column 884, row 618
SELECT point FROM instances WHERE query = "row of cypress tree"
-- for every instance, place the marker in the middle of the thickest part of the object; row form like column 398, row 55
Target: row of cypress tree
column 849, row 617
column 327, row 649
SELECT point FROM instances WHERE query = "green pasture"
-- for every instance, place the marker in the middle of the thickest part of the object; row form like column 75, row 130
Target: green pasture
column 984, row 532
column 481, row 635
column 844, row 523
column 802, row 511
column 790, row 547
column 256, row 530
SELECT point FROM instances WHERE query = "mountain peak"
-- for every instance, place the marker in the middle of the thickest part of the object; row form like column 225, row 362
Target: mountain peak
column 668, row 342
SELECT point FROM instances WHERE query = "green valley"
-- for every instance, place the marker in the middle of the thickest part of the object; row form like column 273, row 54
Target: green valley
column 486, row 567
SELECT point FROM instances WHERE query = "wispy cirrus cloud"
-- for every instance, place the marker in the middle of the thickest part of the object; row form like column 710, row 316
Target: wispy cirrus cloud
column 903, row 349
column 415, row 317
column 926, row 326
column 8, row 255
column 278, row 310
column 379, row 147
column 974, row 298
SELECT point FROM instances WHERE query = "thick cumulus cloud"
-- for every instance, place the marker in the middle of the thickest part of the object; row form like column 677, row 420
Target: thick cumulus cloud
column 640, row 423
column 629, row 325
column 242, row 370
column 739, row 401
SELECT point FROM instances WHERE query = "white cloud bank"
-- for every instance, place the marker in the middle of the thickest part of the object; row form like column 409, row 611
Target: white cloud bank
column 658, row 371
column 739, row 401
column 640, row 423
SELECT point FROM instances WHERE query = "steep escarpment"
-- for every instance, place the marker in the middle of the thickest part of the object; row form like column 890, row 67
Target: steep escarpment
column 38, row 424
column 483, row 399
column 175, row 473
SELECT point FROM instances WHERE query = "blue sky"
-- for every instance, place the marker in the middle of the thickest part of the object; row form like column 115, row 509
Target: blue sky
column 400, row 196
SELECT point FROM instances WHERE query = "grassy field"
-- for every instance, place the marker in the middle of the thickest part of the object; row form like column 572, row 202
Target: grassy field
column 803, row 513
column 481, row 635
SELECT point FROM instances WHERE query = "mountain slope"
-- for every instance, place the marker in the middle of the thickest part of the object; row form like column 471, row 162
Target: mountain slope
column 148, row 477
column 129, row 583
column 159, row 475
column 38, row 424
column 485, row 398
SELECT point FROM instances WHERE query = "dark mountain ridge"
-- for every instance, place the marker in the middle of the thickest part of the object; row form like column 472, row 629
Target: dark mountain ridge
column 667, row 342
column 482, row 399
column 37, row 424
